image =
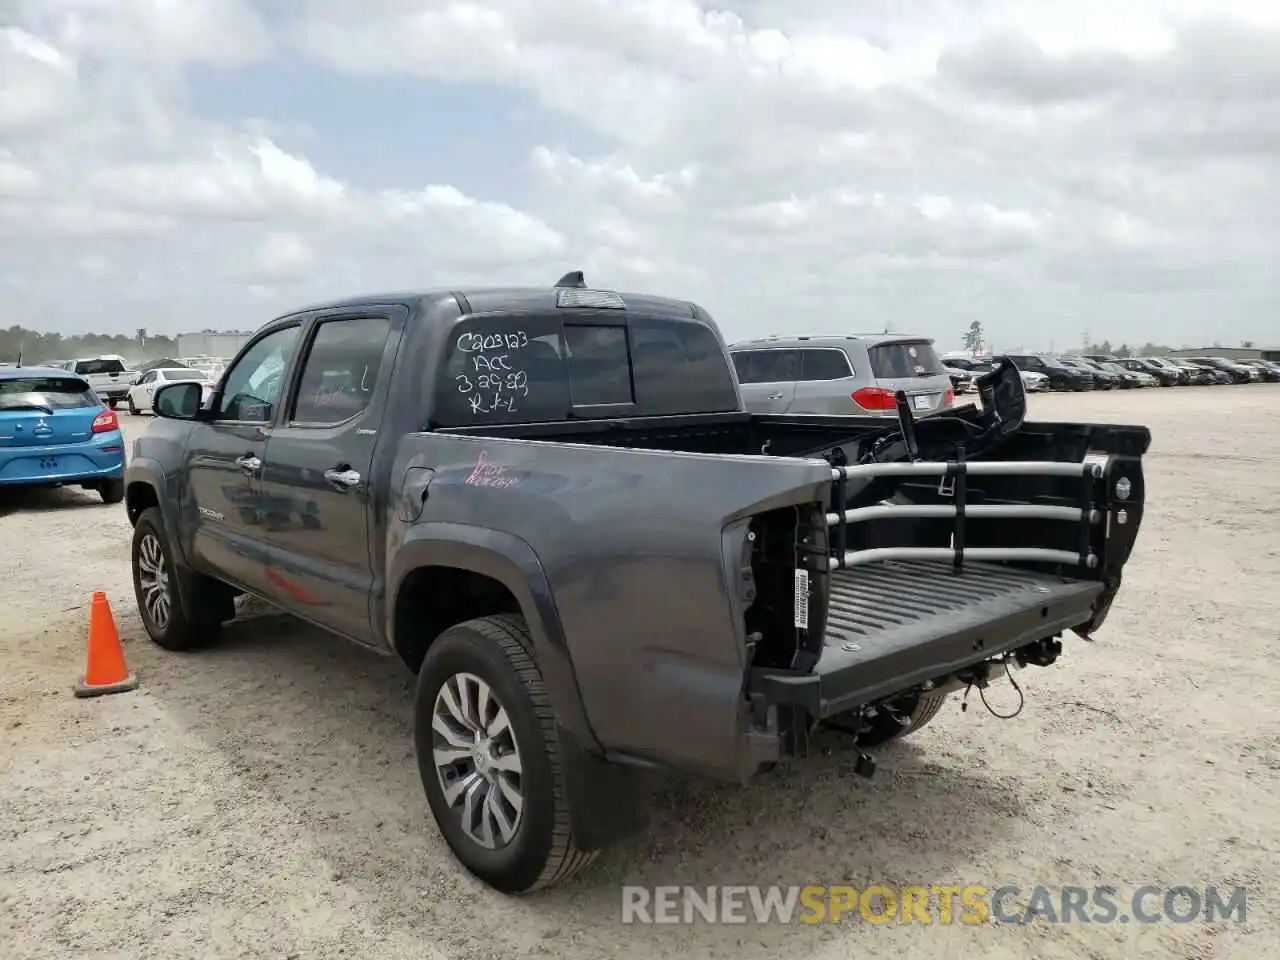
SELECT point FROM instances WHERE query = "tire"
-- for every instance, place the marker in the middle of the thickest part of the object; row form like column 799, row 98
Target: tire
column 111, row 404
column 111, row 491
column 885, row 729
column 196, row 606
column 540, row 850
column 133, row 409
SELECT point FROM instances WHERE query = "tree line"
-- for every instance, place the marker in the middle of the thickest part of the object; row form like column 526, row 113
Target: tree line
column 975, row 342
column 36, row 347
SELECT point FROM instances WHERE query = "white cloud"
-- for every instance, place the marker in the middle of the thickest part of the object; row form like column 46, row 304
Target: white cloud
column 1020, row 162
column 154, row 31
column 37, row 82
column 16, row 180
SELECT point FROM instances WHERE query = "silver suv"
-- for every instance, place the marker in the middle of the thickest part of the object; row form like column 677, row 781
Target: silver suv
column 855, row 374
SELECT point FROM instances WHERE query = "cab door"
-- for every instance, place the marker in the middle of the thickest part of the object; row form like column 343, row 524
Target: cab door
column 224, row 462
column 319, row 466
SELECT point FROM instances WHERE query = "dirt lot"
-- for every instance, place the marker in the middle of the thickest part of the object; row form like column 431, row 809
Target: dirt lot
column 260, row 799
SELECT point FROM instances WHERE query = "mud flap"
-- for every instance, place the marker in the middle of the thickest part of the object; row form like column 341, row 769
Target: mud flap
column 608, row 801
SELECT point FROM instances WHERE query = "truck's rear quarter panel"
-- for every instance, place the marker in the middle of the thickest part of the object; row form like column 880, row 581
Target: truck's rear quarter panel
column 632, row 543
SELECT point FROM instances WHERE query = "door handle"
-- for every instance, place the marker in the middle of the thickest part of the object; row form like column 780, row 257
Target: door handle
column 249, row 463
column 342, row 477
column 774, row 396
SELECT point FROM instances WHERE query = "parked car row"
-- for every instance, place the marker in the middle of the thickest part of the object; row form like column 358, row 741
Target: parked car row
column 1105, row 372
column 861, row 373
column 114, row 381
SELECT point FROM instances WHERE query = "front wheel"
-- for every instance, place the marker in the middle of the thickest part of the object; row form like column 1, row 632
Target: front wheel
column 133, row 407
column 179, row 611
column 490, row 758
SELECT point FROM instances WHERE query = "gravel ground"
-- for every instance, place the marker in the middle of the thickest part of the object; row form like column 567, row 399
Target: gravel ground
column 261, row 800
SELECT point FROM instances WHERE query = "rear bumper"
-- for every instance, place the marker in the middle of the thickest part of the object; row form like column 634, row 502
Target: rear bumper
column 102, row 458
column 894, row 626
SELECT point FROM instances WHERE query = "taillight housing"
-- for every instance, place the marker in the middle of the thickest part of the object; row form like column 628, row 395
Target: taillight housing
column 874, row 398
column 949, row 397
column 105, row 422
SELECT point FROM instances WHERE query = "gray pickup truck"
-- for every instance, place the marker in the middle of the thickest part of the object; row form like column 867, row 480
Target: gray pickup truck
column 552, row 506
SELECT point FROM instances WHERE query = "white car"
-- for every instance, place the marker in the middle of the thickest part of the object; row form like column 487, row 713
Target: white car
column 1033, row 382
column 142, row 392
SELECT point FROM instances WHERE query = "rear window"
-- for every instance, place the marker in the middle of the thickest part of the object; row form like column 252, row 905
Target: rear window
column 182, row 375
column 897, row 361
column 787, row 365
column 525, row 369
column 53, row 393
column 89, row 367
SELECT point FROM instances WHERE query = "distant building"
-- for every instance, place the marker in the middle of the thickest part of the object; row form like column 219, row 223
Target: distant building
column 212, row 343
column 1229, row 353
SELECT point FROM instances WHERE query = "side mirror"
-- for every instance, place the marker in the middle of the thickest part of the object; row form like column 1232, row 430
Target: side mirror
column 177, row 401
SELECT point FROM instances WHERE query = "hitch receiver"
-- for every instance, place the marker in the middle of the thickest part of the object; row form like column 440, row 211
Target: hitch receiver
column 1042, row 653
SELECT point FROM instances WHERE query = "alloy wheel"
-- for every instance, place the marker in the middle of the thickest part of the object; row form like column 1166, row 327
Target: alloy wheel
column 153, row 579
column 477, row 760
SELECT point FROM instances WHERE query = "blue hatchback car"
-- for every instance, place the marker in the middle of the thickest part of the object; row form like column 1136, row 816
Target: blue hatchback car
column 55, row 431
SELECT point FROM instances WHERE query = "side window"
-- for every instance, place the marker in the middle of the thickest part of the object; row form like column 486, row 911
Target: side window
column 767, row 366
column 252, row 386
column 776, row 366
column 599, row 365
column 148, row 377
column 824, row 365
column 679, row 367
column 340, row 370
column 503, row 369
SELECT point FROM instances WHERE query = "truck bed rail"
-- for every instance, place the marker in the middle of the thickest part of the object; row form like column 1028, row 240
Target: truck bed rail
column 953, row 476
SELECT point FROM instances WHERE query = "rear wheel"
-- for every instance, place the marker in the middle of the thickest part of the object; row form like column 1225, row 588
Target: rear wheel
column 179, row 610
column 111, row 491
column 917, row 711
column 490, row 758
column 111, row 404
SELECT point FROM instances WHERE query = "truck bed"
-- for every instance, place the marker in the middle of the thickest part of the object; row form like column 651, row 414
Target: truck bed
column 897, row 623
column 716, row 433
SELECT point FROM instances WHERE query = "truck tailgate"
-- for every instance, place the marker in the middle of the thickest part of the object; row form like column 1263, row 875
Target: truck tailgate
column 894, row 624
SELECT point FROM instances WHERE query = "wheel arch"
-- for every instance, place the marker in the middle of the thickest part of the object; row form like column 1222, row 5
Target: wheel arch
column 145, row 485
column 457, row 572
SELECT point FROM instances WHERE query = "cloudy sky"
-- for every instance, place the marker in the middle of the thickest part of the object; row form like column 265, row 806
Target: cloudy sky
column 1050, row 168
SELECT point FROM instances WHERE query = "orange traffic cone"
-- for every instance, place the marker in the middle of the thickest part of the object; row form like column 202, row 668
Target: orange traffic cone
column 104, row 669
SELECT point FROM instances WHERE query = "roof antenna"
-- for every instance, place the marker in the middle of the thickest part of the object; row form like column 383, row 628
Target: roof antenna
column 573, row 278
